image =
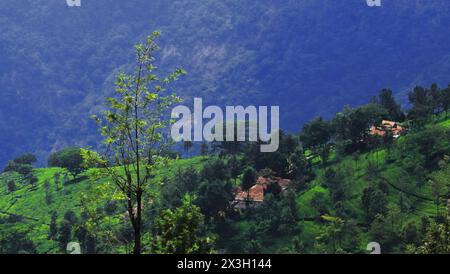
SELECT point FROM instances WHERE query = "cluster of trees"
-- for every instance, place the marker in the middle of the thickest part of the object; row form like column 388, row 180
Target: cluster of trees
column 421, row 159
column 16, row 242
column 436, row 238
column 71, row 228
column 241, row 163
column 24, row 166
column 289, row 161
column 348, row 131
column 212, row 186
column 426, row 102
column 70, row 159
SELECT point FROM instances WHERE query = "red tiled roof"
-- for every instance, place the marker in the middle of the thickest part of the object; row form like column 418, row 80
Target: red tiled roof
column 256, row 192
column 377, row 131
column 385, row 126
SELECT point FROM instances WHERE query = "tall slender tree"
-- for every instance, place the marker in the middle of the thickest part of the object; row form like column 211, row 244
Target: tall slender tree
column 134, row 129
column 421, row 105
column 316, row 136
column 387, row 101
column 444, row 98
column 248, row 180
column 187, row 145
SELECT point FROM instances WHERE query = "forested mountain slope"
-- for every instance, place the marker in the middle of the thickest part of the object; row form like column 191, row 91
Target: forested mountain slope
column 308, row 56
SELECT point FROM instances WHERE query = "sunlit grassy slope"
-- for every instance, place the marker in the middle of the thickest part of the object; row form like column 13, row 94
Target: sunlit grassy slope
column 32, row 214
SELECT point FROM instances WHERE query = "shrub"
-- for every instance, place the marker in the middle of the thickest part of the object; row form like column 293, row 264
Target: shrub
column 11, row 186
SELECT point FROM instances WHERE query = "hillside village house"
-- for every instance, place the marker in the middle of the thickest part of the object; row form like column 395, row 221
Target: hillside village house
column 257, row 192
column 387, row 126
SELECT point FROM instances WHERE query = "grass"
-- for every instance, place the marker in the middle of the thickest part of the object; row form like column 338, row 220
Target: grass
column 445, row 124
column 304, row 204
column 29, row 203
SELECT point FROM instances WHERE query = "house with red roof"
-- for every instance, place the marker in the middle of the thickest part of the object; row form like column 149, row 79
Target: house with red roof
column 255, row 196
column 387, row 126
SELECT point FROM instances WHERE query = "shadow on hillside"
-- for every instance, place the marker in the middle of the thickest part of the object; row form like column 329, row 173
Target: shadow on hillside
column 76, row 180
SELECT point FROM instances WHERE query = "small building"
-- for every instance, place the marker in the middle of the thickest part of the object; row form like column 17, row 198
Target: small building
column 387, row 126
column 255, row 196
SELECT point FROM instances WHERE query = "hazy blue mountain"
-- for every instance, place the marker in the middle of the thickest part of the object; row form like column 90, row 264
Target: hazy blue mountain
column 308, row 56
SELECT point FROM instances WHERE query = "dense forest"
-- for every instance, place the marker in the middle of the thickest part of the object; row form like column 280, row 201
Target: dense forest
column 309, row 57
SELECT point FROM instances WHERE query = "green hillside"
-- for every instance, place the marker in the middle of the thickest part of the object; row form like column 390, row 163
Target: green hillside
column 410, row 201
column 27, row 211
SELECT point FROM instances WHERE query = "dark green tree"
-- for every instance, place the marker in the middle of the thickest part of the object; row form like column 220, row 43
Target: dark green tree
column 11, row 186
column 320, row 203
column 374, row 202
column 22, row 169
column 70, row 217
column 289, row 213
column 16, row 242
column 69, row 159
column 235, row 167
column 26, row 159
column 181, row 231
column 444, row 98
column 187, row 145
column 186, row 180
column 421, row 105
column 387, row 101
column 316, row 136
column 215, row 169
column 411, row 233
column 64, row 235
column 436, row 240
column 214, row 196
column 248, row 180
column 53, row 229
column 351, row 127
column 299, row 167
column 48, row 193
column 204, row 149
